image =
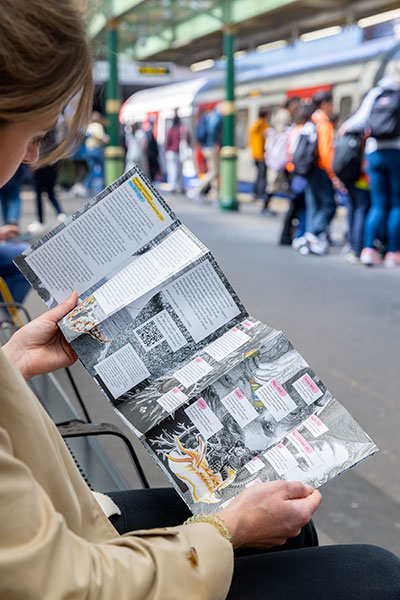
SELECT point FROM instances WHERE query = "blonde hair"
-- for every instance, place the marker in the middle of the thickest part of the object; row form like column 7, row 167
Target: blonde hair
column 45, row 61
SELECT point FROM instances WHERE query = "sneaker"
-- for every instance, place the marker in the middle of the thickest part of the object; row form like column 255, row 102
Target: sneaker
column 78, row 189
column 370, row 257
column 317, row 244
column 298, row 242
column 61, row 217
column 267, row 212
column 352, row 258
column 392, row 259
column 36, row 227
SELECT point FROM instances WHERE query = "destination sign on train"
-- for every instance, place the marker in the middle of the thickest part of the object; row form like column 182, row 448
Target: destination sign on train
column 153, row 70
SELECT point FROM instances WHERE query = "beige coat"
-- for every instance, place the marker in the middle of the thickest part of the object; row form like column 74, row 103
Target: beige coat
column 55, row 541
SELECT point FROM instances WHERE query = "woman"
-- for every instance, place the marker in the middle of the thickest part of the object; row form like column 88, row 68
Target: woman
column 55, row 540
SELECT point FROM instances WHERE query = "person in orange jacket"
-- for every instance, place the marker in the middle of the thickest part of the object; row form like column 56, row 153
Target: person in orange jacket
column 257, row 143
column 320, row 197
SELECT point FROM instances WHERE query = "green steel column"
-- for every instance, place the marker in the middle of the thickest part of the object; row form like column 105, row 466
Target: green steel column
column 228, row 200
column 114, row 153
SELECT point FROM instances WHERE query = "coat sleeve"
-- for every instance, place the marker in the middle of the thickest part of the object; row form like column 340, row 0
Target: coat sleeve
column 41, row 559
column 325, row 147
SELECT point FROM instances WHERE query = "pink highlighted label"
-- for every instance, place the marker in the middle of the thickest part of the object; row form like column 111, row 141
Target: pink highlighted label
column 310, row 384
column 175, row 390
column 278, row 388
column 239, row 394
column 317, row 421
column 198, row 360
column 247, row 324
column 235, row 329
column 302, row 441
column 201, row 404
column 255, row 481
column 280, row 445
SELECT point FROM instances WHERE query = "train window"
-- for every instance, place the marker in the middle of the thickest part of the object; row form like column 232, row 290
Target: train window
column 345, row 108
column 242, row 126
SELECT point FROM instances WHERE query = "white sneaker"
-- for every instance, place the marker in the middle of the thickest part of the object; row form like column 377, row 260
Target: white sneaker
column 61, row 217
column 298, row 242
column 317, row 244
column 36, row 227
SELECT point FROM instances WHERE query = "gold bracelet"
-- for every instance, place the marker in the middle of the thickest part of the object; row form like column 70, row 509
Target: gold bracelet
column 213, row 520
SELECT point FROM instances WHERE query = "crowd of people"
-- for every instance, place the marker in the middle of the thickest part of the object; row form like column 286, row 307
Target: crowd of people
column 57, row 539
column 299, row 152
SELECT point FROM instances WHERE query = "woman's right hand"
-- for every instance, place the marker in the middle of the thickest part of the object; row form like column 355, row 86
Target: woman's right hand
column 267, row 514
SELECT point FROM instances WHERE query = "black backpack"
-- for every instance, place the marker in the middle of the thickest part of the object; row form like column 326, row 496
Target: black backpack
column 348, row 157
column 384, row 119
column 306, row 151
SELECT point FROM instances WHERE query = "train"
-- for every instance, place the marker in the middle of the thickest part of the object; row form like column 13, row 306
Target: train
column 344, row 64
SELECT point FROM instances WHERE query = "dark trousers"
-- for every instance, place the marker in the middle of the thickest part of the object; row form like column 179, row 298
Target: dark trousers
column 320, row 202
column 296, row 571
column 45, row 180
column 260, row 183
column 358, row 202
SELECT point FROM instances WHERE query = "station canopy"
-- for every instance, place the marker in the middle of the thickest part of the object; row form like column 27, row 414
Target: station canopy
column 189, row 31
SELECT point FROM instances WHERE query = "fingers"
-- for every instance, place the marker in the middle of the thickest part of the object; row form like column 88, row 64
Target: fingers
column 295, row 489
column 58, row 312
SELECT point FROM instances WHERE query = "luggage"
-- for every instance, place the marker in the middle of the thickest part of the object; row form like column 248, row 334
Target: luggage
column 348, row 157
column 306, row 151
column 384, row 120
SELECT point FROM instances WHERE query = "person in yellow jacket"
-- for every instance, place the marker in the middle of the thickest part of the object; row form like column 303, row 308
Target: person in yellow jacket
column 257, row 143
column 57, row 540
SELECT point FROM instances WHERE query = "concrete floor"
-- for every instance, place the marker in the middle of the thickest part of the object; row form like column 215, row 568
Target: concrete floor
column 344, row 319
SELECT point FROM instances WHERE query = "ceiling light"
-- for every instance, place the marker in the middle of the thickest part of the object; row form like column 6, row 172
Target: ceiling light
column 203, row 64
column 272, row 46
column 381, row 18
column 310, row 36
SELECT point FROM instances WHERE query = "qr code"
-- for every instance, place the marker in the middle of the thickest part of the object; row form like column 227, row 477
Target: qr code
column 149, row 335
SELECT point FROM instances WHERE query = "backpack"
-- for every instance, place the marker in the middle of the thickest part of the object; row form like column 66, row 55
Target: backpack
column 384, row 119
column 306, row 151
column 276, row 155
column 201, row 130
column 348, row 157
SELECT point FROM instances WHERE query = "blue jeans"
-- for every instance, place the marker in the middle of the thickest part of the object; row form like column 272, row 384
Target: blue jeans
column 95, row 163
column 17, row 283
column 10, row 203
column 320, row 202
column 384, row 214
column 358, row 202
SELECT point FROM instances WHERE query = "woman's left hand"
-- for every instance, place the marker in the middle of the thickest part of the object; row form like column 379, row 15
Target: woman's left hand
column 39, row 347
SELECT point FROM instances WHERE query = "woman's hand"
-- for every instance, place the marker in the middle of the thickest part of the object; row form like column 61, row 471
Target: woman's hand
column 39, row 347
column 7, row 232
column 267, row 514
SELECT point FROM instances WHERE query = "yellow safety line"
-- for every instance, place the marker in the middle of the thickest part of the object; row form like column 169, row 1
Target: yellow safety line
column 12, row 310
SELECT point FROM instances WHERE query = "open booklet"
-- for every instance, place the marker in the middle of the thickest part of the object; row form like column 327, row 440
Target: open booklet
column 220, row 400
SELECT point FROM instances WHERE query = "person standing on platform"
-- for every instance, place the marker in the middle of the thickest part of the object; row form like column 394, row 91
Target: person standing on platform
column 177, row 136
column 136, row 148
column 379, row 117
column 152, row 152
column 210, row 148
column 257, row 142
column 95, row 142
column 44, row 181
column 320, row 194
